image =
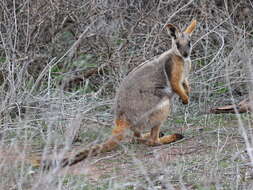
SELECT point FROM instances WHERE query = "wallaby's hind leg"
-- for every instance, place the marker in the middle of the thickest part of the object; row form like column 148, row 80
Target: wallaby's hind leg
column 154, row 136
column 146, row 137
column 151, row 138
column 156, row 119
column 155, row 140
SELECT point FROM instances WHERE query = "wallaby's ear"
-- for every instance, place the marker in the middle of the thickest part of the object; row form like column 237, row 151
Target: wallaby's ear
column 172, row 30
column 191, row 27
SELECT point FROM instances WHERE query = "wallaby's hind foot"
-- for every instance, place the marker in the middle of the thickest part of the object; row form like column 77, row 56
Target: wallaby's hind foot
column 162, row 140
column 145, row 138
column 155, row 137
column 147, row 135
column 170, row 138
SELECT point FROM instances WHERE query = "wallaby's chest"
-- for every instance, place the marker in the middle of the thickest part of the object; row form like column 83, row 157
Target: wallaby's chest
column 187, row 67
column 178, row 66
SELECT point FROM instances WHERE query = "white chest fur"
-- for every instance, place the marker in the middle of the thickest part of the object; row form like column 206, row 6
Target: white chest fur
column 187, row 67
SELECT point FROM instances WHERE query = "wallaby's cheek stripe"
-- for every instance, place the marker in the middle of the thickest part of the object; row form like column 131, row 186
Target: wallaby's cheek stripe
column 177, row 79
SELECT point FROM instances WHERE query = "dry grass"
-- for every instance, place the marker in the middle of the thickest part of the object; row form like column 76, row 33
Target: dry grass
column 61, row 62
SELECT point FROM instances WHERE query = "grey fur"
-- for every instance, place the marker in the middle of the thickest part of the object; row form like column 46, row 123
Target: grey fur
column 143, row 92
column 144, row 96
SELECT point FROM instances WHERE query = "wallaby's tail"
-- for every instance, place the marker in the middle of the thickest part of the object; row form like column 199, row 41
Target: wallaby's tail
column 118, row 134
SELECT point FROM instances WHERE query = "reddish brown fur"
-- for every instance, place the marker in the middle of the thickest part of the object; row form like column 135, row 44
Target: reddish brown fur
column 177, row 77
column 118, row 134
column 152, row 139
column 170, row 138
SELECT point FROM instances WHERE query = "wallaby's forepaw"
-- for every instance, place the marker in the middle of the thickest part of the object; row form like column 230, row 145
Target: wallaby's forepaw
column 186, row 100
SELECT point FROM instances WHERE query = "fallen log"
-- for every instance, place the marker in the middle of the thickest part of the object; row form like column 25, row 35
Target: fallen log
column 245, row 105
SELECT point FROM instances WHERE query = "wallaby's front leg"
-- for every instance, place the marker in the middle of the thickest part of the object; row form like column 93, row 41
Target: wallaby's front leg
column 187, row 87
column 179, row 89
column 177, row 85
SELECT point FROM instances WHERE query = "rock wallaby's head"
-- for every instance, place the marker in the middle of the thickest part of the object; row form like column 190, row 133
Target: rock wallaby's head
column 181, row 41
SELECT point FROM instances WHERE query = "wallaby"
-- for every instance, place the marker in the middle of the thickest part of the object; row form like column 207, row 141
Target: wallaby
column 144, row 97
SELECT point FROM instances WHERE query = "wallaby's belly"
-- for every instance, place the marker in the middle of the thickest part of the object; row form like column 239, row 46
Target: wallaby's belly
column 143, row 97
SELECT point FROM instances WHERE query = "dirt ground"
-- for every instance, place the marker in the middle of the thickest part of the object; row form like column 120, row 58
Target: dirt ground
column 209, row 156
